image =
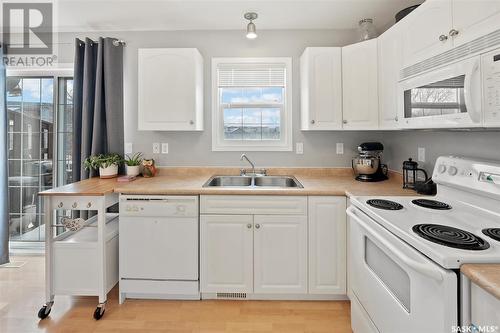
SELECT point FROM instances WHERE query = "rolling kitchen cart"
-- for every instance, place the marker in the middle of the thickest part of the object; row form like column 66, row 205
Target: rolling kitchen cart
column 82, row 262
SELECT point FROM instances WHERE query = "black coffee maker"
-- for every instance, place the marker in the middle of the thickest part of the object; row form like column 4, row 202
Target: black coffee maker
column 410, row 179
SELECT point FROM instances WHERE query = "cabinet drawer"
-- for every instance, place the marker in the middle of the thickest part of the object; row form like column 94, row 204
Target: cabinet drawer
column 253, row 204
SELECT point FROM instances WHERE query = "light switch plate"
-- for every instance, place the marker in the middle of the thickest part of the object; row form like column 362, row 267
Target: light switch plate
column 164, row 148
column 421, row 154
column 299, row 148
column 340, row 148
column 156, row 148
column 129, row 148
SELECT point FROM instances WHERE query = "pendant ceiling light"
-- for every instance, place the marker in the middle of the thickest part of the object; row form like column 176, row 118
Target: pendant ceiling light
column 251, row 29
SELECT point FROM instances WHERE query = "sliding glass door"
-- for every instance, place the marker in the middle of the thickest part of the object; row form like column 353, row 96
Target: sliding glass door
column 39, row 116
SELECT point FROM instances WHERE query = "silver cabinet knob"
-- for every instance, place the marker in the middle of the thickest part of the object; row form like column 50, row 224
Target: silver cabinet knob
column 74, row 205
column 443, row 38
column 249, row 225
column 313, row 121
column 344, row 121
column 395, row 118
column 453, row 32
column 257, row 226
column 191, row 122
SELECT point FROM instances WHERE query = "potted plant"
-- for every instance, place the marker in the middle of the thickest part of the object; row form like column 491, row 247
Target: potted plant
column 133, row 164
column 107, row 164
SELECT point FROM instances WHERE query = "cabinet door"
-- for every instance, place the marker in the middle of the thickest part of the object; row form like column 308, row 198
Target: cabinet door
column 422, row 31
column 280, row 250
column 485, row 308
column 389, row 66
column 321, row 88
column 170, row 84
column 360, row 85
column 327, row 245
column 473, row 19
column 226, row 253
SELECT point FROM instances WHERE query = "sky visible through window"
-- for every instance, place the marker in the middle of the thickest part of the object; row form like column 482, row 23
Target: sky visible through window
column 252, row 113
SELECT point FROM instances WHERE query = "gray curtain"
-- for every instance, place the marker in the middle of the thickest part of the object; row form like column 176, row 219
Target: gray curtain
column 97, row 101
column 4, row 204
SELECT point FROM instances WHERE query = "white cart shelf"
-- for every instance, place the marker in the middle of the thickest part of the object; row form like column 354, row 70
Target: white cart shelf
column 83, row 262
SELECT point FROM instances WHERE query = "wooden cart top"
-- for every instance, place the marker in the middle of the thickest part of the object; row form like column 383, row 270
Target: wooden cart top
column 88, row 187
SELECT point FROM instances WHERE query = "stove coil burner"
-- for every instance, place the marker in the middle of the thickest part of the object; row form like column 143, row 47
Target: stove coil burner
column 449, row 236
column 492, row 233
column 431, row 204
column 384, row 204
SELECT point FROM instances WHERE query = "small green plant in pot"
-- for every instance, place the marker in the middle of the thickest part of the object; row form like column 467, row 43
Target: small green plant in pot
column 133, row 164
column 107, row 164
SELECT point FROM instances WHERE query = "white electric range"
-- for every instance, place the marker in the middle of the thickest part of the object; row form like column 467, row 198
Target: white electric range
column 405, row 252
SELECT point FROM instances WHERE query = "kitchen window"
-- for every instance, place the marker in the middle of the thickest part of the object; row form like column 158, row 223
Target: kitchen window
column 252, row 104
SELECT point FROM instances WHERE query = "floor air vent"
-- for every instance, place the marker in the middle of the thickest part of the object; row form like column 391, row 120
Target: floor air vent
column 232, row 295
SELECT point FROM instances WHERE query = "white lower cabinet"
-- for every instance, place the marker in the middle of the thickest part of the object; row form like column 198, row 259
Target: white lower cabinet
column 327, row 245
column 226, row 253
column 280, row 254
column 485, row 309
column 295, row 250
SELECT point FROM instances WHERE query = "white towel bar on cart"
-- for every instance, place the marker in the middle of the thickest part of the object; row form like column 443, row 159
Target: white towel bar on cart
column 82, row 262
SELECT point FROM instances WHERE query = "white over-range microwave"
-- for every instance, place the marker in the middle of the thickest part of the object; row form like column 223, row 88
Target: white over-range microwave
column 460, row 94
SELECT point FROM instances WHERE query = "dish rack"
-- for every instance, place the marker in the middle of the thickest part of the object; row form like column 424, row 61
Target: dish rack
column 81, row 261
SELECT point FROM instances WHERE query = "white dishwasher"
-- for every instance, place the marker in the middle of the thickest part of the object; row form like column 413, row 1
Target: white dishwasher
column 159, row 247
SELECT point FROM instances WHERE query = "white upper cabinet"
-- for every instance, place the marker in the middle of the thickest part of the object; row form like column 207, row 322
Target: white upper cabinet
column 473, row 19
column 389, row 65
column 360, row 86
column 426, row 31
column 439, row 25
column 170, row 96
column 321, row 88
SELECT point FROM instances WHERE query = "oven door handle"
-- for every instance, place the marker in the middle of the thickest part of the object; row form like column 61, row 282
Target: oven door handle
column 415, row 265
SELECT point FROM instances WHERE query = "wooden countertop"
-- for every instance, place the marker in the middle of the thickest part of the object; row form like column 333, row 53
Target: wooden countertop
column 88, row 187
column 189, row 181
column 486, row 276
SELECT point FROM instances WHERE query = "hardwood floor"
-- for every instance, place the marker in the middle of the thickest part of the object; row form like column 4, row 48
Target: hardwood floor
column 22, row 294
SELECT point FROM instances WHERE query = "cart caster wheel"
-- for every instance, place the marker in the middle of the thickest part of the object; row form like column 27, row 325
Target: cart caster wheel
column 98, row 313
column 43, row 312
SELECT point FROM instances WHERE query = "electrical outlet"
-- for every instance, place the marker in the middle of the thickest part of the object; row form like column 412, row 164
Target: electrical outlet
column 164, row 148
column 128, row 148
column 299, row 148
column 340, row 148
column 156, row 148
column 421, row 154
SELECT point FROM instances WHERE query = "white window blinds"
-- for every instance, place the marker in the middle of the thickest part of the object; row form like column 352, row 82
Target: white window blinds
column 251, row 75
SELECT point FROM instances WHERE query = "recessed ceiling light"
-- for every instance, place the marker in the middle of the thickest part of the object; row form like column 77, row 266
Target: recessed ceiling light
column 251, row 29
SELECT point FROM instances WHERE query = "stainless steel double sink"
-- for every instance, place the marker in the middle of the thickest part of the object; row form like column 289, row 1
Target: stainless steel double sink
column 255, row 181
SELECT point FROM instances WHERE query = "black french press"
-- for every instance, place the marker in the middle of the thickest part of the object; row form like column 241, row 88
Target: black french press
column 410, row 173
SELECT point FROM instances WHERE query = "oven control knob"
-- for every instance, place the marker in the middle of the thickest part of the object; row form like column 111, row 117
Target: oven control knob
column 452, row 171
column 442, row 168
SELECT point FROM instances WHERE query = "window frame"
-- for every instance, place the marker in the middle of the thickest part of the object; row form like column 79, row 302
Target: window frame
column 286, row 129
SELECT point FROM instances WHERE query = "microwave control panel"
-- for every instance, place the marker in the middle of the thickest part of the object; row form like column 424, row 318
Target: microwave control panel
column 491, row 87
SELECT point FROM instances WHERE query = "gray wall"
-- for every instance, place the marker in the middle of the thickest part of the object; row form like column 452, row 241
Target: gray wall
column 194, row 148
column 404, row 144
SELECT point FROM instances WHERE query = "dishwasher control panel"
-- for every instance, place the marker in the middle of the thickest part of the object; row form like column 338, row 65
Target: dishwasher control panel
column 163, row 206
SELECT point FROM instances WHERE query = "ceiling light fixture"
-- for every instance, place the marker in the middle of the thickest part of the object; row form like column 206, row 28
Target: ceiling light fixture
column 251, row 29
